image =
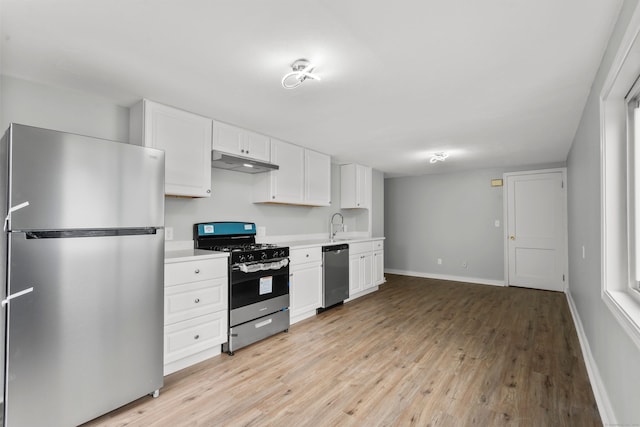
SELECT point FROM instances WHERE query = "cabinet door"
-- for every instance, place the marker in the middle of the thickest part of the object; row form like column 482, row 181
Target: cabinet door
column 287, row 182
column 366, row 265
column 227, row 138
column 305, row 289
column 355, row 186
column 317, row 174
column 378, row 267
column 257, row 146
column 355, row 281
column 363, row 186
column 186, row 140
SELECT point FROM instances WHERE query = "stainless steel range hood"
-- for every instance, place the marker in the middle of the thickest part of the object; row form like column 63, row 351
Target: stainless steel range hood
column 233, row 162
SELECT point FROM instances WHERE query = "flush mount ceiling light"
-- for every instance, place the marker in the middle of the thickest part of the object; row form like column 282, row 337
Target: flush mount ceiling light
column 440, row 156
column 302, row 70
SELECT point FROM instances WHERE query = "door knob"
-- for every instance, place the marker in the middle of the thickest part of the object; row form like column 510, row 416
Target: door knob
column 512, row 237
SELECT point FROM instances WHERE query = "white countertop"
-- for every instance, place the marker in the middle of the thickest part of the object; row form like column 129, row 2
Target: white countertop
column 181, row 255
column 180, row 251
column 299, row 244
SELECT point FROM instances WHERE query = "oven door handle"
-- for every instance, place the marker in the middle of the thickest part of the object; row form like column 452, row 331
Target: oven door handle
column 262, row 266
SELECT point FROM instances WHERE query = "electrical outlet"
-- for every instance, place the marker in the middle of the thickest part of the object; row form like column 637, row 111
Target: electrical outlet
column 168, row 233
column 439, row 261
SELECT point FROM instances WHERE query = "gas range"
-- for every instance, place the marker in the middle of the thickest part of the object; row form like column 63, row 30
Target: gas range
column 258, row 281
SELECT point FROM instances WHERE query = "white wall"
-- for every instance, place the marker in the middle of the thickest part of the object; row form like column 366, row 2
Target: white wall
column 230, row 200
column 65, row 110
column 377, row 204
column 614, row 354
column 77, row 112
column 450, row 216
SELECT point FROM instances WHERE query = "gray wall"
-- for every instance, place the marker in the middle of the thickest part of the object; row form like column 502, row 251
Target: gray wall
column 78, row 112
column 449, row 216
column 614, row 353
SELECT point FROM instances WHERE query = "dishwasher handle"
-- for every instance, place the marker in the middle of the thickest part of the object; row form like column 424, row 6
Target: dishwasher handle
column 335, row 248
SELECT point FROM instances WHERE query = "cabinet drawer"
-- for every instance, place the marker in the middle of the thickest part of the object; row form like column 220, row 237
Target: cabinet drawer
column 300, row 256
column 186, row 338
column 378, row 245
column 182, row 302
column 194, row 271
column 360, row 247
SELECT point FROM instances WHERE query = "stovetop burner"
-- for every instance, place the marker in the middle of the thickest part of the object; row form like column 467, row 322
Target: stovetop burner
column 244, row 247
column 238, row 238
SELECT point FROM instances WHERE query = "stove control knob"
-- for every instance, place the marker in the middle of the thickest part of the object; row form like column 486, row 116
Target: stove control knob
column 263, row 255
column 241, row 258
column 283, row 253
column 250, row 257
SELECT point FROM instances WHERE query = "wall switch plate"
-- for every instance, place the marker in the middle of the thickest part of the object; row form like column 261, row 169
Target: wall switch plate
column 168, row 233
column 261, row 231
column 497, row 223
column 464, row 264
column 439, row 261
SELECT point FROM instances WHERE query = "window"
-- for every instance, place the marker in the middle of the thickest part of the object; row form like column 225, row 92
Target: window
column 633, row 188
column 620, row 185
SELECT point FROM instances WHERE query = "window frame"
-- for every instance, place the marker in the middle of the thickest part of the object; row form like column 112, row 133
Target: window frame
column 619, row 288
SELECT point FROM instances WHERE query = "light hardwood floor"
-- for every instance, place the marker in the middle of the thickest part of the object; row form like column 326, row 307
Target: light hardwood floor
column 417, row 352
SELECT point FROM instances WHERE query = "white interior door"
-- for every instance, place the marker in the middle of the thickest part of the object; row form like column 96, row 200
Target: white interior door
column 536, row 230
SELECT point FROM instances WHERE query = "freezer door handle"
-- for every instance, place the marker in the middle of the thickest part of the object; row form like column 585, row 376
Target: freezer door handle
column 16, row 295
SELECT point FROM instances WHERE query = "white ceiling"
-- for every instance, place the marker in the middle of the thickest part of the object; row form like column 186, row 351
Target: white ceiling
column 495, row 82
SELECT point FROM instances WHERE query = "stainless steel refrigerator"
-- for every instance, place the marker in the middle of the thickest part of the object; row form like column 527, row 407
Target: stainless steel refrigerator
column 82, row 250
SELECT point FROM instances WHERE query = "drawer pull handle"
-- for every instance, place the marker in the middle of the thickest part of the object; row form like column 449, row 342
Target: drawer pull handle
column 307, row 255
column 197, row 300
column 196, row 337
column 263, row 323
column 197, row 271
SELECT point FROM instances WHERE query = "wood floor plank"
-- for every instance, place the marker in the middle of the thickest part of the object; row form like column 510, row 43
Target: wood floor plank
column 418, row 352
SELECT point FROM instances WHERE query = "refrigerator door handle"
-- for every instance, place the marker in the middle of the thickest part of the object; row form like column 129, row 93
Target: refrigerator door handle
column 16, row 295
column 13, row 209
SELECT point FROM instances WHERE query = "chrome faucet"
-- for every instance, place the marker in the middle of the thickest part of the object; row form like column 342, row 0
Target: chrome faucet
column 331, row 224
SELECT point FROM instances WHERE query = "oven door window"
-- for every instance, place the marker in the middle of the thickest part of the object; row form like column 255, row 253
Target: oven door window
column 249, row 288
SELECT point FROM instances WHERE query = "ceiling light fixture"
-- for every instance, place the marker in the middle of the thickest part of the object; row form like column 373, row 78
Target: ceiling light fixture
column 302, row 70
column 440, row 156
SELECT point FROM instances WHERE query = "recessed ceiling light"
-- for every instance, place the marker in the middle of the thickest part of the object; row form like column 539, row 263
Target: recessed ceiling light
column 302, row 70
column 247, row 165
column 440, row 156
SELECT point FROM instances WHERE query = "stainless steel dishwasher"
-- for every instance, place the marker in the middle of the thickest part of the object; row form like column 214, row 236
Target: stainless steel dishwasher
column 335, row 278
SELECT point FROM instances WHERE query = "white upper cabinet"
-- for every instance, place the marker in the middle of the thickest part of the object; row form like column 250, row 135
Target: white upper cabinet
column 355, row 186
column 317, row 178
column 242, row 142
column 304, row 177
column 285, row 185
column 186, row 140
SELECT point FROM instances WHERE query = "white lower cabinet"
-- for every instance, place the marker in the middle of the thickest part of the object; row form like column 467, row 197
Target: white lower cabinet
column 366, row 267
column 305, row 283
column 360, row 267
column 195, row 311
column 378, row 262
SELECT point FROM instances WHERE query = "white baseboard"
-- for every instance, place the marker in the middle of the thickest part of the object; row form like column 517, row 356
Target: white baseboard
column 599, row 391
column 446, row 277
